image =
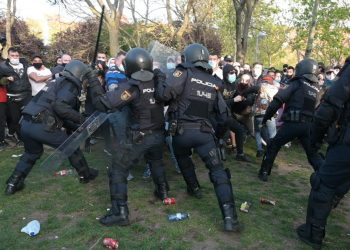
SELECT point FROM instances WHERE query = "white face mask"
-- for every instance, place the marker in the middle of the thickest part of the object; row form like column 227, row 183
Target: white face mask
column 14, row 61
column 121, row 67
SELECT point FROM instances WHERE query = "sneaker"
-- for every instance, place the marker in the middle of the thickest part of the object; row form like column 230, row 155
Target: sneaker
column 20, row 144
column 242, row 157
column 177, row 168
column 130, row 177
column 259, row 153
column 263, row 176
column 3, row 145
column 147, row 172
column 107, row 152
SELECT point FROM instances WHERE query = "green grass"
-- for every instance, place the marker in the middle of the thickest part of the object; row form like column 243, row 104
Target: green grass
column 68, row 210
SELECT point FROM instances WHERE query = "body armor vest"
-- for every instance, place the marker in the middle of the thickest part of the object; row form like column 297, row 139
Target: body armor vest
column 197, row 100
column 302, row 103
column 148, row 114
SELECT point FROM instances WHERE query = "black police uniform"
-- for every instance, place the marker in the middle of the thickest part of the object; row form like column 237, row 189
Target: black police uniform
column 145, row 136
column 194, row 103
column 51, row 109
column 300, row 99
column 332, row 180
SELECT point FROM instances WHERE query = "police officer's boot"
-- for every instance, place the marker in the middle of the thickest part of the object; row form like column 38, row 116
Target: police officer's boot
column 193, row 187
column 229, row 215
column 161, row 190
column 80, row 164
column 15, row 183
column 265, row 170
column 311, row 235
column 118, row 215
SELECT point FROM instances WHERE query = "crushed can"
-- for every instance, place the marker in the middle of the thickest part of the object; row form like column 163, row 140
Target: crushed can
column 245, row 207
column 169, row 201
column 64, row 172
column 110, row 243
column 266, row 201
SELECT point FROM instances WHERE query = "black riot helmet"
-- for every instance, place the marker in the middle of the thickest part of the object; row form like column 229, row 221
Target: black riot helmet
column 76, row 68
column 139, row 64
column 197, row 54
column 307, row 68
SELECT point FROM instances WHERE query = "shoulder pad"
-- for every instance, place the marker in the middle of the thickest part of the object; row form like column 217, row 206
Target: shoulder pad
column 186, row 65
column 132, row 82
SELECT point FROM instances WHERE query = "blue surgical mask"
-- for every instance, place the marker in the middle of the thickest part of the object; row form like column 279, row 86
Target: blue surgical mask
column 170, row 65
column 232, row 78
column 212, row 64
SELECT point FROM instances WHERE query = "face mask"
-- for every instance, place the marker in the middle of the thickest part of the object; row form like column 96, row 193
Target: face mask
column 212, row 64
column 231, row 78
column 170, row 65
column 257, row 72
column 246, row 71
column 330, row 77
column 64, row 64
column 14, row 61
column 37, row 65
column 121, row 67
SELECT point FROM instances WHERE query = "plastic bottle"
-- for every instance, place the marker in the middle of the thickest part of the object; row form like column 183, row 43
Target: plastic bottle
column 32, row 228
column 178, row 216
column 64, row 172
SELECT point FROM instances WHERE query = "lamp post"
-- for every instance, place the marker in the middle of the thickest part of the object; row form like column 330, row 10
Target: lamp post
column 261, row 34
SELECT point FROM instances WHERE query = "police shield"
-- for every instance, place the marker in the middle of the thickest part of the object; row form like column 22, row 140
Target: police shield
column 164, row 58
column 73, row 142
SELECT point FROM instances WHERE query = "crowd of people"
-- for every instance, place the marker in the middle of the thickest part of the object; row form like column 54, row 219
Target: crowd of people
column 198, row 95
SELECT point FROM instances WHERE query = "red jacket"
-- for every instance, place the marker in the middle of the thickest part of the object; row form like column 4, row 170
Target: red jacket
column 3, row 92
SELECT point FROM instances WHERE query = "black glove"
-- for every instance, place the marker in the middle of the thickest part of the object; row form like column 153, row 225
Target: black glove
column 159, row 76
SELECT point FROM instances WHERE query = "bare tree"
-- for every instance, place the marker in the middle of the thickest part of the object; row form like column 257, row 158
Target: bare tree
column 244, row 10
column 112, row 18
column 10, row 18
column 312, row 30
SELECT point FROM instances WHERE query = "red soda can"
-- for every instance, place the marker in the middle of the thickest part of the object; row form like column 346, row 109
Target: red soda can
column 169, row 201
column 110, row 243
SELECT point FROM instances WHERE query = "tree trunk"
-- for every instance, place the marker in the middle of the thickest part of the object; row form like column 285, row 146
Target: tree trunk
column 168, row 12
column 185, row 23
column 312, row 30
column 244, row 10
column 10, row 18
column 113, row 30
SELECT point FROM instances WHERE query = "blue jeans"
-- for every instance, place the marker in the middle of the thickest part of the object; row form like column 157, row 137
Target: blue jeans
column 263, row 134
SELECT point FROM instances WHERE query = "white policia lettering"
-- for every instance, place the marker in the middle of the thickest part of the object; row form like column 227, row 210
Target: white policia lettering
column 150, row 90
column 198, row 81
column 152, row 101
column 313, row 87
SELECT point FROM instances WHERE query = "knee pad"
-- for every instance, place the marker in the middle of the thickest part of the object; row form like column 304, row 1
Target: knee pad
column 185, row 162
column 212, row 160
column 315, row 181
column 220, row 176
column 30, row 158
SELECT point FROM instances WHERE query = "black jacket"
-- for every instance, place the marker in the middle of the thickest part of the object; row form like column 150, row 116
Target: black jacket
column 21, row 84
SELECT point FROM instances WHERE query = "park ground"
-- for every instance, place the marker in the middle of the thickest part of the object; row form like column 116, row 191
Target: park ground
column 68, row 211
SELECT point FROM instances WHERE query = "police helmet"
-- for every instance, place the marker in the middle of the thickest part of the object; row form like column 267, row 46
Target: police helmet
column 307, row 68
column 76, row 68
column 197, row 54
column 139, row 64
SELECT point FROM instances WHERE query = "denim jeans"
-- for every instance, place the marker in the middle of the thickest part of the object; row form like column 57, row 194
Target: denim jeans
column 263, row 134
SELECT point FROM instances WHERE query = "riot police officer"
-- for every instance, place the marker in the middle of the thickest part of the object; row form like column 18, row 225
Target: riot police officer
column 194, row 105
column 54, row 107
column 144, row 136
column 300, row 98
column 332, row 180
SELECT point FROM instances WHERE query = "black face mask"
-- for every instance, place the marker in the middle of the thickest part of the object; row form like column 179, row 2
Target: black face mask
column 64, row 64
column 37, row 65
